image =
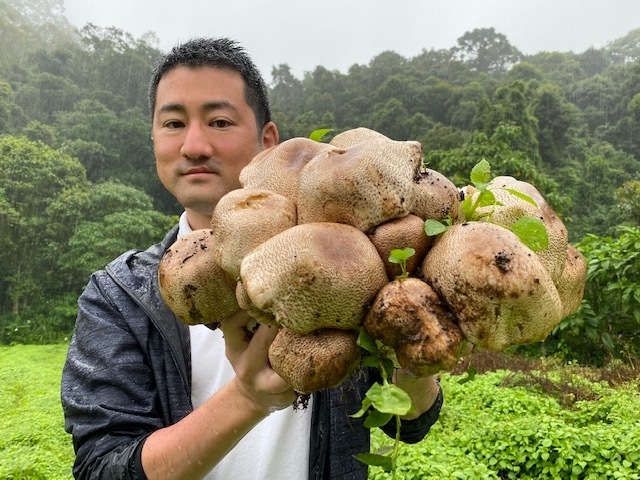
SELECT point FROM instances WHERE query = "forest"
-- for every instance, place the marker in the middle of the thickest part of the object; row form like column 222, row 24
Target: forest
column 78, row 184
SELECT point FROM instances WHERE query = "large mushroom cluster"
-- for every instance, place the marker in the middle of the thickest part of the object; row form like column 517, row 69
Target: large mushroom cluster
column 305, row 245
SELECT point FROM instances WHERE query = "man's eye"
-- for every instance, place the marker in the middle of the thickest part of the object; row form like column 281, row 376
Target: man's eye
column 220, row 123
column 173, row 124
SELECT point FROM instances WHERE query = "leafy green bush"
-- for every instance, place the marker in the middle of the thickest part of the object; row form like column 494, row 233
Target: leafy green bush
column 608, row 322
column 489, row 430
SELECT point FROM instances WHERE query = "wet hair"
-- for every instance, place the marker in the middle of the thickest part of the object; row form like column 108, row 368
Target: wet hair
column 220, row 53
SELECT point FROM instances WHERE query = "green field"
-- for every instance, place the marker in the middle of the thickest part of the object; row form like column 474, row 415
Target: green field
column 543, row 421
column 33, row 444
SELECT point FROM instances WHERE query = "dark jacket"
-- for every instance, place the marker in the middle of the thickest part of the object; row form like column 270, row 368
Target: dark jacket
column 128, row 373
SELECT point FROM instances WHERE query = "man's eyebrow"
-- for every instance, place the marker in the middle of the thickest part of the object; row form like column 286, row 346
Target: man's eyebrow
column 209, row 106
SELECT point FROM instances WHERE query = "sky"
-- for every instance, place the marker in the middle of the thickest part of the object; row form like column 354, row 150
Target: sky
column 337, row 34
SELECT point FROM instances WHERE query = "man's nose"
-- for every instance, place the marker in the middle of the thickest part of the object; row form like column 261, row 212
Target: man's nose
column 197, row 143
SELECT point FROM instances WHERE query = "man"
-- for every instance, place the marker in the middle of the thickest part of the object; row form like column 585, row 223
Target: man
column 145, row 396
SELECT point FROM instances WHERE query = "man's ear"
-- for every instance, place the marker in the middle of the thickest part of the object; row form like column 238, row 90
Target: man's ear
column 270, row 135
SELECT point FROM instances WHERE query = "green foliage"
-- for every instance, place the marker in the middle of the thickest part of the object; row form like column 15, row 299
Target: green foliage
column 57, row 229
column 400, row 256
column 530, row 230
column 608, row 322
column 33, row 444
column 488, row 430
column 381, row 401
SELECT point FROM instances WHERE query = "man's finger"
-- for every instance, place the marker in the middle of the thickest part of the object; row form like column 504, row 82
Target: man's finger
column 234, row 330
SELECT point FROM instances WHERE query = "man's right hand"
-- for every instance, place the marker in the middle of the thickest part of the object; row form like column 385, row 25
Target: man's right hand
column 249, row 356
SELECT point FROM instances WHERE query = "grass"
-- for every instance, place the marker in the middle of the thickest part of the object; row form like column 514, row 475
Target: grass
column 514, row 420
column 33, row 444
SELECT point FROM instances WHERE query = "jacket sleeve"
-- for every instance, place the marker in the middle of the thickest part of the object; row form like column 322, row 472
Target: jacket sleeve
column 108, row 392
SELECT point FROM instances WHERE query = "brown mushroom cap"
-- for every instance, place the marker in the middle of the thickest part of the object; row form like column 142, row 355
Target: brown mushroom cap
column 245, row 304
column 397, row 234
column 363, row 185
column 192, row 285
column 316, row 361
column 514, row 208
column 278, row 167
column 245, row 218
column 408, row 316
column 316, row 275
column 498, row 289
column 436, row 197
column 571, row 283
column 352, row 137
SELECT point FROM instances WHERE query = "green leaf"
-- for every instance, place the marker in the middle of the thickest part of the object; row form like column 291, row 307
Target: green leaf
column 434, row 227
column 401, row 255
column 480, row 174
column 487, row 199
column 375, row 460
column 367, row 342
column 369, row 361
column 521, row 196
column 471, row 373
column 532, row 232
column 467, row 207
column 389, row 398
column 377, row 419
column 317, row 135
column 366, row 404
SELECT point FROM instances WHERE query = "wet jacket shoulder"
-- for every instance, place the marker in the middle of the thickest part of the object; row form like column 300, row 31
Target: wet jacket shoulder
column 128, row 351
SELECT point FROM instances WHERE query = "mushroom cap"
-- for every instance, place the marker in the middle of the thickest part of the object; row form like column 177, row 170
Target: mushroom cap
column 498, row 289
column 352, row 137
column 363, row 185
column 436, row 197
column 278, row 167
column 399, row 233
column 192, row 285
column 244, row 302
column 316, row 275
column 245, row 218
column 514, row 208
column 571, row 283
column 316, row 361
column 408, row 316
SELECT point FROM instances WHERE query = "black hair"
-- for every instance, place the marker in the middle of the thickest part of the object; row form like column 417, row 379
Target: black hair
column 221, row 53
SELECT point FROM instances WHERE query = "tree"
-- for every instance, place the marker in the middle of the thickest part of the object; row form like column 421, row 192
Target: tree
column 625, row 49
column 486, row 51
column 555, row 117
column 111, row 219
column 6, row 98
column 34, row 176
column 628, row 198
column 512, row 104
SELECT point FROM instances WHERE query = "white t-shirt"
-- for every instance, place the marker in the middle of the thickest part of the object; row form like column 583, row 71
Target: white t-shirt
column 278, row 447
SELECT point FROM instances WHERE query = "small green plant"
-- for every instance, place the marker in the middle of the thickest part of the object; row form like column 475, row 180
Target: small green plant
column 318, row 135
column 530, row 230
column 382, row 401
column 400, row 256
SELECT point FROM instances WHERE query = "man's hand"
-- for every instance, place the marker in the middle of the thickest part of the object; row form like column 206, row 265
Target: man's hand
column 249, row 356
column 194, row 445
column 423, row 392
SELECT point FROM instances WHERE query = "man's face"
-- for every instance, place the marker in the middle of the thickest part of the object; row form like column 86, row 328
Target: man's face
column 204, row 133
